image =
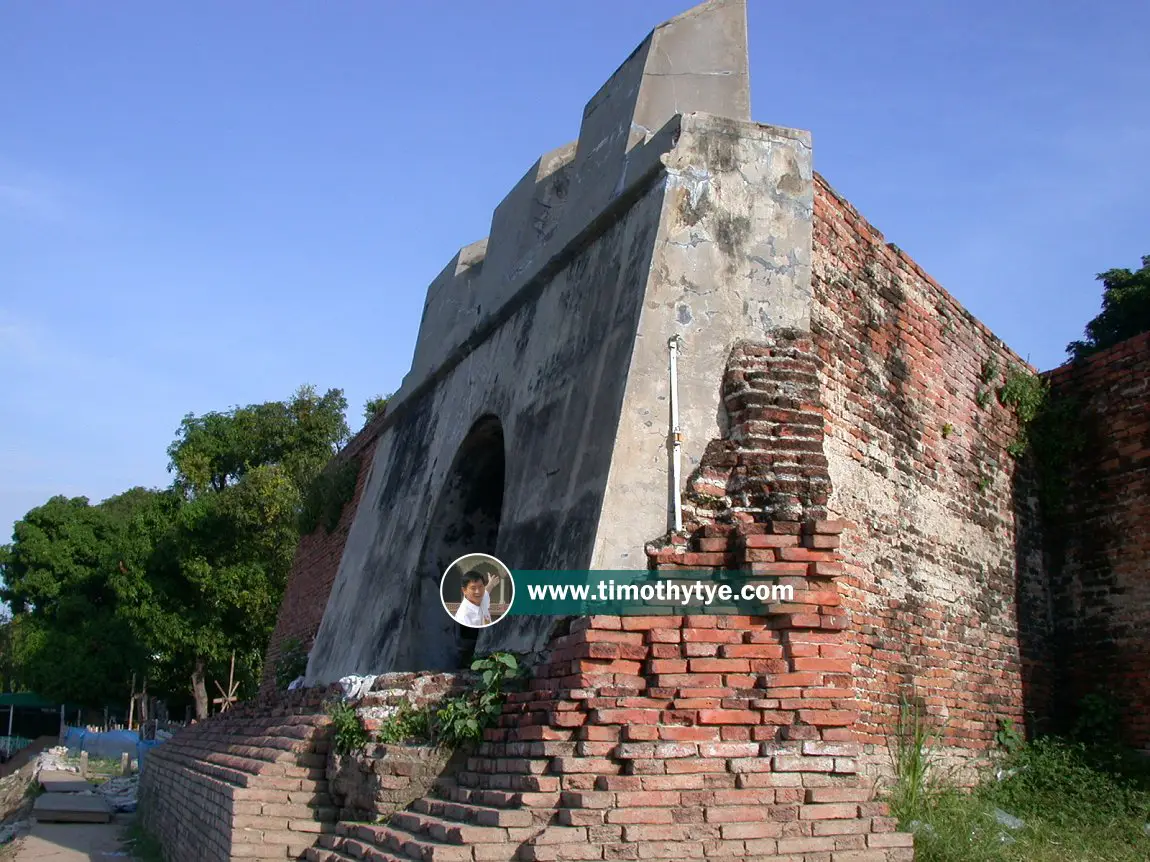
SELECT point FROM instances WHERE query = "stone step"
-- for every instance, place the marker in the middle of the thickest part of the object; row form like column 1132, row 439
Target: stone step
column 453, row 832
column 448, row 789
column 508, row 782
column 401, row 842
column 337, row 848
column 467, row 812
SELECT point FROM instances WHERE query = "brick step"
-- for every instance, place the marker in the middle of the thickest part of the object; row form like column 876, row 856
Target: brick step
column 508, row 765
column 262, row 729
column 271, row 744
column 305, row 759
column 448, row 790
column 196, row 763
column 255, row 767
column 466, row 812
column 349, row 850
column 454, row 832
column 260, row 741
column 509, row 782
column 418, row 846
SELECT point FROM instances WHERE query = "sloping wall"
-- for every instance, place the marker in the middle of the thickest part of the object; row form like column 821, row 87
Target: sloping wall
column 316, row 562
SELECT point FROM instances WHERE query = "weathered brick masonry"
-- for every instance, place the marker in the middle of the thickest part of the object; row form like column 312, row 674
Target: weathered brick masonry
column 1099, row 557
column 316, row 563
column 246, row 784
column 942, row 561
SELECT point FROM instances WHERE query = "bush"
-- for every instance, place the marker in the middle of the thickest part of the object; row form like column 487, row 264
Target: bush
column 1078, row 802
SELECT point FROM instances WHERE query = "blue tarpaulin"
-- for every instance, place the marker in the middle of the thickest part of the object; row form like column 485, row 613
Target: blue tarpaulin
column 109, row 744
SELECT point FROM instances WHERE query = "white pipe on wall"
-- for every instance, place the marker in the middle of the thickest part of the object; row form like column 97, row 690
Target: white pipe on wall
column 676, row 437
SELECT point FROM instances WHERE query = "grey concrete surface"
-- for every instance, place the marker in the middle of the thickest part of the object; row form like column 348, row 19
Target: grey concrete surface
column 55, row 781
column 71, row 808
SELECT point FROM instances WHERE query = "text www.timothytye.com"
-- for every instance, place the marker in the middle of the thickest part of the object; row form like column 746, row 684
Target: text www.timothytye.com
column 661, row 592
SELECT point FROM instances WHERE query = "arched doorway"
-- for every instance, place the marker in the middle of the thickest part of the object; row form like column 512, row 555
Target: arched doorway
column 465, row 521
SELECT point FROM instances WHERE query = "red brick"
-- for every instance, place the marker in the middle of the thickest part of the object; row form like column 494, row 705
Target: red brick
column 728, row 716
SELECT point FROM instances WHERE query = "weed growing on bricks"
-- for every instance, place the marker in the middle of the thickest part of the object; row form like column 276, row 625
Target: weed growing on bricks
column 463, row 718
column 409, row 725
column 348, row 733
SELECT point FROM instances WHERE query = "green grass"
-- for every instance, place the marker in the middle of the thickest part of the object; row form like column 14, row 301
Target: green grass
column 142, row 844
column 1079, row 803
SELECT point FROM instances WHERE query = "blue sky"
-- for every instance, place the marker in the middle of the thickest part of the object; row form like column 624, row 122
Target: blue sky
column 208, row 204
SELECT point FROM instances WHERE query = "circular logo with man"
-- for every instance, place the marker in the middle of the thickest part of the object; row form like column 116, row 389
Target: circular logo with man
column 477, row 590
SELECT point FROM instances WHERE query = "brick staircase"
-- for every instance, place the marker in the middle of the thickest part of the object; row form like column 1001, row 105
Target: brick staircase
column 670, row 737
column 249, row 783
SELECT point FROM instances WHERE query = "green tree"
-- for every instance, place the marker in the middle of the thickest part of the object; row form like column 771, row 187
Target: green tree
column 1125, row 310
column 217, row 577
column 169, row 584
column 376, row 406
column 69, row 639
column 215, row 450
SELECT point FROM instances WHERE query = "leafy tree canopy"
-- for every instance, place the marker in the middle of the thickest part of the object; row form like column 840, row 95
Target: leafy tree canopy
column 215, row 450
column 64, row 577
column 376, row 406
column 1125, row 310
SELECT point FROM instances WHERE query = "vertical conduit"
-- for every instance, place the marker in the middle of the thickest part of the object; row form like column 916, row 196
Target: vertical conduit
column 676, row 437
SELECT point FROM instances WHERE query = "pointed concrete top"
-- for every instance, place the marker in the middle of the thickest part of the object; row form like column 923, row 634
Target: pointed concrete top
column 697, row 61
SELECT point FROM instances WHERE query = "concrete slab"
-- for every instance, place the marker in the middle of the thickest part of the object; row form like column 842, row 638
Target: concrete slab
column 71, row 808
column 56, row 781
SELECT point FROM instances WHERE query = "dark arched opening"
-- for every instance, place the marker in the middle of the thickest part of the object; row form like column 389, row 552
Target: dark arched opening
column 465, row 521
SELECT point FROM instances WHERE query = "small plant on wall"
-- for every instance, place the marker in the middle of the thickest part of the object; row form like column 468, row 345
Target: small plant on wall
column 462, row 719
column 348, row 733
column 409, row 725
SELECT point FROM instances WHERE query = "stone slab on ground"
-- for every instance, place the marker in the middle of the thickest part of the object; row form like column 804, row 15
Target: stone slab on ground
column 72, row 842
column 71, row 808
column 54, row 781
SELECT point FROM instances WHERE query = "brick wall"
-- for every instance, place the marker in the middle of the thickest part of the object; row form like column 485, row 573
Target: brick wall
column 943, row 574
column 316, row 563
column 1099, row 556
column 245, row 784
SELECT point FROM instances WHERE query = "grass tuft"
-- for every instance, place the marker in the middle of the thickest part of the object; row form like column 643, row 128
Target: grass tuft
column 1077, row 802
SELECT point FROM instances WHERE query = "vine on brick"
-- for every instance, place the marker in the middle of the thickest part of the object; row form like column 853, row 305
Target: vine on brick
column 1049, row 428
column 328, row 493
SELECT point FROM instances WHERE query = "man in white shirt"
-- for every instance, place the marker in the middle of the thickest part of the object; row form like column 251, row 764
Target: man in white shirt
column 472, row 611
